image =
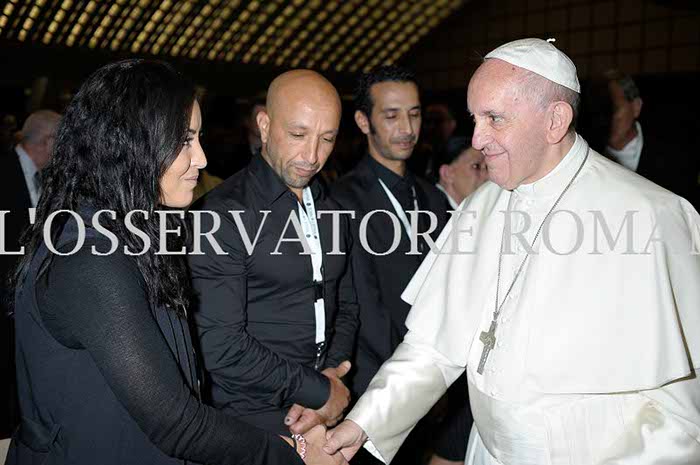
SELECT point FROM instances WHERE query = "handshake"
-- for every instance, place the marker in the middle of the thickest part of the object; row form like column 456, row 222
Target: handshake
column 320, row 446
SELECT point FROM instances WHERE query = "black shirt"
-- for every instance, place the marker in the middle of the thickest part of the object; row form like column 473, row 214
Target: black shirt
column 255, row 317
column 99, row 306
column 403, row 187
column 381, row 274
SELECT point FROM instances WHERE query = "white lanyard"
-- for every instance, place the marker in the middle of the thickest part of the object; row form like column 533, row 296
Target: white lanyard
column 399, row 209
column 310, row 227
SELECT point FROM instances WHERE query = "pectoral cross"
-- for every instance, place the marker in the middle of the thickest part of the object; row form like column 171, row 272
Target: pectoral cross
column 489, row 341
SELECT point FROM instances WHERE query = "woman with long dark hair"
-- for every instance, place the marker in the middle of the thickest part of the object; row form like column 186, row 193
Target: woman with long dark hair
column 106, row 368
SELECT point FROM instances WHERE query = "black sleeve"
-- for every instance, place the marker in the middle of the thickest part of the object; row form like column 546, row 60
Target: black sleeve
column 234, row 359
column 452, row 434
column 348, row 319
column 99, row 304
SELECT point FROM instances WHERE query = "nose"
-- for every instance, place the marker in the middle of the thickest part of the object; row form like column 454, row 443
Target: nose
column 310, row 154
column 199, row 159
column 406, row 125
column 481, row 137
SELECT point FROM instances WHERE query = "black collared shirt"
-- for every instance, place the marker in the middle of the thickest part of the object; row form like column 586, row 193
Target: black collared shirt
column 255, row 315
column 403, row 187
column 381, row 272
column 405, row 192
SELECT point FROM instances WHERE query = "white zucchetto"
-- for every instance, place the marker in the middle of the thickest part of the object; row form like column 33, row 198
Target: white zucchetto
column 540, row 57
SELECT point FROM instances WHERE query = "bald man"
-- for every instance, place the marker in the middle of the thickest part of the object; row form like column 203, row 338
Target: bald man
column 19, row 190
column 277, row 311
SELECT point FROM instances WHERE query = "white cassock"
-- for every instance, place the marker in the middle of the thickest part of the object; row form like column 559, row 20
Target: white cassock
column 596, row 349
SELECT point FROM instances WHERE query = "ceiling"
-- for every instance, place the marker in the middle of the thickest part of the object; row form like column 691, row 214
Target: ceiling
column 340, row 36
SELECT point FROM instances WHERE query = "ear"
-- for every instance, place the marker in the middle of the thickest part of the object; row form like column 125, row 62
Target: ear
column 362, row 121
column 263, row 120
column 637, row 107
column 559, row 118
column 445, row 173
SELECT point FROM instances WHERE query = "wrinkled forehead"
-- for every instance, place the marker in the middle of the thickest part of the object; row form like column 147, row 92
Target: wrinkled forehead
column 494, row 78
column 308, row 111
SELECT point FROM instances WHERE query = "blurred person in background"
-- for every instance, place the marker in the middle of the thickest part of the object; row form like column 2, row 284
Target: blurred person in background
column 462, row 170
column 654, row 137
column 20, row 187
column 439, row 126
column 235, row 147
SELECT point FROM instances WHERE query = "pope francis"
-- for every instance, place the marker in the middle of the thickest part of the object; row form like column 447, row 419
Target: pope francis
column 568, row 289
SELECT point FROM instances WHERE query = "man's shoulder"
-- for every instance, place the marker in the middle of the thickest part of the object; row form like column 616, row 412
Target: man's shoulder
column 237, row 192
column 351, row 188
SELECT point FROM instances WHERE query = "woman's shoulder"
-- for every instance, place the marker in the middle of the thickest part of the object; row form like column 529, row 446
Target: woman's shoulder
column 93, row 261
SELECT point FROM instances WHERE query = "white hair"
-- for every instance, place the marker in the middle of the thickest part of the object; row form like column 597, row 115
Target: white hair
column 543, row 92
column 39, row 124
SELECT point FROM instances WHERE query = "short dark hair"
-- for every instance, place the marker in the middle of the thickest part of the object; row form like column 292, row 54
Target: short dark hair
column 453, row 149
column 388, row 73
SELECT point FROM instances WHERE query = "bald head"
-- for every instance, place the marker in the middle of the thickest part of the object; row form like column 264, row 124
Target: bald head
column 299, row 125
column 38, row 134
column 301, row 86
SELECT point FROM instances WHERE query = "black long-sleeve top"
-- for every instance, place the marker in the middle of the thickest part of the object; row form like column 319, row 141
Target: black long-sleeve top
column 99, row 305
column 380, row 274
column 255, row 315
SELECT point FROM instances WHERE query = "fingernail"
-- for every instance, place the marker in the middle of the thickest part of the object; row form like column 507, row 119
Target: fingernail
column 287, row 421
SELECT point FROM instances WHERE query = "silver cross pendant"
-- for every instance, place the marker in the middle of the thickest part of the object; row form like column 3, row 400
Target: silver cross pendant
column 489, row 341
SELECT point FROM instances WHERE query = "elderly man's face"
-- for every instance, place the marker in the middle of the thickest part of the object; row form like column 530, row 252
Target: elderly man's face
column 509, row 128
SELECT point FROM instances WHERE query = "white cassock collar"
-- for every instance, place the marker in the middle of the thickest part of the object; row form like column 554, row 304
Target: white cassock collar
column 554, row 182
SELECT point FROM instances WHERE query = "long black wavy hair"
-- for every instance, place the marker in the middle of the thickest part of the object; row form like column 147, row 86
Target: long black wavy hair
column 120, row 133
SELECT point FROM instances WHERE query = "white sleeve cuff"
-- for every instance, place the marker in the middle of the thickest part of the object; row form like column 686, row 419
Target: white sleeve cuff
column 374, row 451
